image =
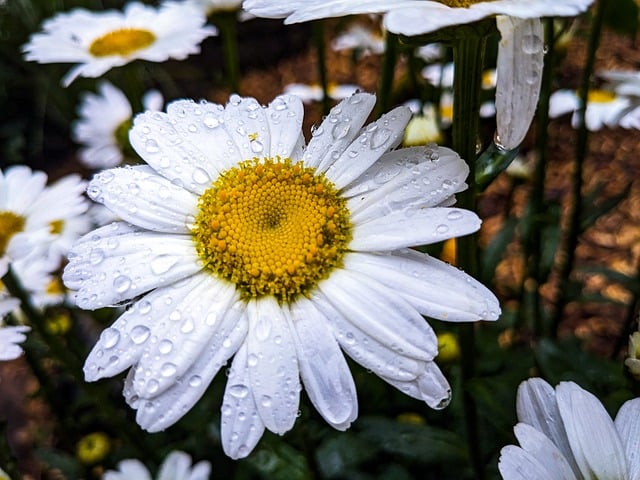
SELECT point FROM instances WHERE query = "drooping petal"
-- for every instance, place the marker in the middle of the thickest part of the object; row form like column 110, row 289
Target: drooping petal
column 410, row 225
column 343, row 123
column 431, row 387
column 112, row 269
column 285, row 114
column 324, row 371
column 594, row 441
column 371, row 307
column 627, row 423
column 544, row 450
column 517, row 464
column 433, row 287
column 273, row 365
column 197, row 325
column 140, row 196
column 240, row 426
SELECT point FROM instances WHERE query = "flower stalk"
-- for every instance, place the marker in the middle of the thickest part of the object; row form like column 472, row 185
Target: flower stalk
column 227, row 22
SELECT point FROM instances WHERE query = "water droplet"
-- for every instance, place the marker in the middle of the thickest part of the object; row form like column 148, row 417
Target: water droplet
column 317, row 130
column 252, row 360
column 110, row 338
column 96, row 256
column 140, row 334
column 162, row 264
column 340, row 130
column 187, row 326
column 256, row 146
column 532, row 44
column 168, row 369
column 349, row 338
column 122, row 283
column 380, row 137
column 195, row 381
column 151, row 146
column 454, row 215
column 447, row 184
column 165, row 347
column 442, row 228
column 210, row 120
column 263, row 328
column 238, row 390
column 201, row 176
column 144, row 306
column 152, row 387
column 175, row 315
column 265, row 401
column 383, row 176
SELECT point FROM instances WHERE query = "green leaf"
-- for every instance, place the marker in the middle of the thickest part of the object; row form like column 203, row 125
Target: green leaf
column 493, row 253
column 592, row 211
column 344, row 453
column 277, row 460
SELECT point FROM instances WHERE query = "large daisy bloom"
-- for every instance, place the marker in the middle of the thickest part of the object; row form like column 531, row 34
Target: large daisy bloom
column 237, row 240
column 177, row 466
column 566, row 434
column 103, row 126
column 415, row 17
column 36, row 219
column 99, row 41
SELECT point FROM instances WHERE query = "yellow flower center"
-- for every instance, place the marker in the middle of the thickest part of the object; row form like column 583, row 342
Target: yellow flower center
column 56, row 227
column 600, row 96
column 93, row 448
column 10, row 224
column 121, row 42
column 272, row 227
column 461, row 3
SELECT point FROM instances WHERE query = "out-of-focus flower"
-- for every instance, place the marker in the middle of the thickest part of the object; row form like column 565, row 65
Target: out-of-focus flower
column 10, row 337
column 213, row 7
column 314, row 93
column 423, row 127
column 604, row 108
column 4, row 475
column 633, row 360
column 240, row 241
column 430, row 53
column 99, row 41
column 448, row 347
column 365, row 41
column 93, row 448
column 177, row 466
column 37, row 220
column 566, row 433
column 415, row 17
column 103, row 126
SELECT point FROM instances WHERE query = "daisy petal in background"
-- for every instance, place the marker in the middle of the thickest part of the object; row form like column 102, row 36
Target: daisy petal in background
column 99, row 41
column 240, row 242
column 10, row 336
column 314, row 93
column 566, row 433
column 605, row 108
column 177, row 466
column 364, row 40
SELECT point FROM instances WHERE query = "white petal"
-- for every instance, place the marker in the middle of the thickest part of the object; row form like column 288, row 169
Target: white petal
column 418, row 176
column 188, row 145
column 175, row 466
column 628, row 425
column 128, row 469
column 366, row 350
column 164, row 410
column 140, row 196
column 324, row 371
column 519, row 76
column 196, row 326
column 536, row 405
column 517, row 464
column 433, row 287
column 112, row 269
column 246, row 123
column 372, row 142
column 413, row 226
column 594, row 440
column 343, row 123
column 431, row 387
column 543, row 449
column 374, row 309
column 240, row 426
column 285, row 114
column 273, row 365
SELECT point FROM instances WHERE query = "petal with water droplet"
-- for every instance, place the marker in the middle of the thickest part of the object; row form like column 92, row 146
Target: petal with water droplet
column 284, row 115
column 246, row 121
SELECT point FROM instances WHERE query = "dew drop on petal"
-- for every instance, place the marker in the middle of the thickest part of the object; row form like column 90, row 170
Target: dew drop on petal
column 140, row 334
column 195, row 381
column 144, row 306
column 96, row 256
column 162, row 264
column 122, row 283
column 252, row 360
column 263, row 328
column 187, row 326
column 110, row 337
column 532, row 44
column 152, row 387
column 380, row 137
column 442, row 228
column 210, row 120
column 168, row 369
column 151, row 146
column 201, row 176
column 256, row 146
column 265, row 401
column 238, row 390
column 165, row 346
column 454, row 215
column 340, row 130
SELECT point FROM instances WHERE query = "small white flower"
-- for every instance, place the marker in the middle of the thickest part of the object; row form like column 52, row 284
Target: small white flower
column 431, row 52
column 177, row 466
column 105, row 119
column 99, row 41
column 238, row 240
column 361, row 39
column 567, row 434
column 37, row 220
column 10, row 337
column 314, row 93
column 604, row 108
column 415, row 17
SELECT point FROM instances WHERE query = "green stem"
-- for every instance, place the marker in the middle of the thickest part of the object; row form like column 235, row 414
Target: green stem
column 468, row 56
column 227, row 22
column 533, row 219
column 386, row 75
column 321, row 53
column 573, row 229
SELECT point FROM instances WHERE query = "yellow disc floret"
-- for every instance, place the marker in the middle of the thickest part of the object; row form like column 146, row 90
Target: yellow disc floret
column 121, row 42
column 10, row 224
column 272, row 227
column 461, row 3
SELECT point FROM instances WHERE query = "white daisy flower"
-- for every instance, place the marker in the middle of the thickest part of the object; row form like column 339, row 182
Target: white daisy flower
column 415, row 17
column 177, row 466
column 213, row 7
column 105, row 119
column 314, row 93
column 622, row 82
column 99, row 41
column 441, row 75
column 37, row 220
column 360, row 38
column 566, row 434
column 604, row 108
column 10, row 336
column 243, row 242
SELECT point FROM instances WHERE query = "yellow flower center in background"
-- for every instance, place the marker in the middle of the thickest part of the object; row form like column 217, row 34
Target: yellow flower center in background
column 56, row 227
column 121, row 42
column 600, row 96
column 272, row 227
column 10, row 224
column 461, row 3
